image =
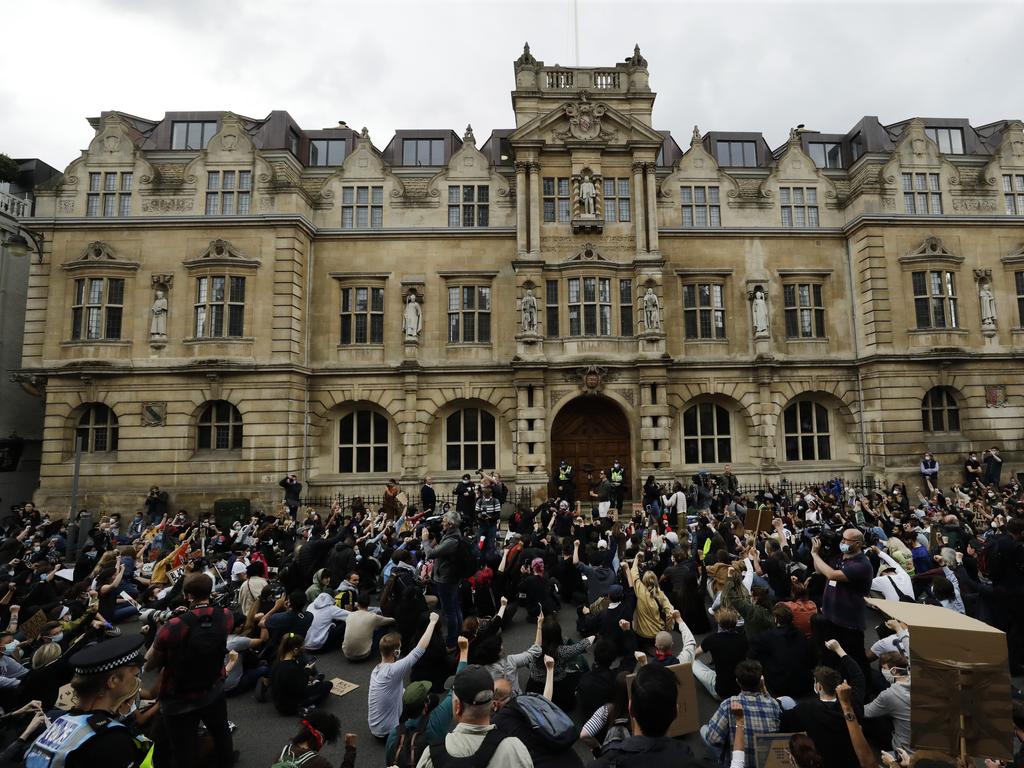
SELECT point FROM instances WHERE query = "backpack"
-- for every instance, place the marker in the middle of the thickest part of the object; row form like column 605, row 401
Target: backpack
column 617, row 731
column 547, row 720
column 502, row 492
column 480, row 759
column 288, row 760
column 202, row 651
column 409, row 745
column 903, row 598
column 464, row 562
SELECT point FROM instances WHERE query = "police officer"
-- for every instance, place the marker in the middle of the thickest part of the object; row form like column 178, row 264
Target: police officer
column 106, row 677
column 617, row 477
column 566, row 483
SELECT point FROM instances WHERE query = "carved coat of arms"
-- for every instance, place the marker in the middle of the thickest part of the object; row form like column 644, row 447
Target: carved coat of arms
column 995, row 395
column 584, row 119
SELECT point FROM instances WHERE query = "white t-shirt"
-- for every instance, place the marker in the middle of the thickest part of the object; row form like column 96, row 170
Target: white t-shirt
column 898, row 642
column 238, row 569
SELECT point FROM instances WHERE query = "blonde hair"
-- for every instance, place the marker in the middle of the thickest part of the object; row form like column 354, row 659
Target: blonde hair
column 650, row 580
column 896, row 546
column 45, row 654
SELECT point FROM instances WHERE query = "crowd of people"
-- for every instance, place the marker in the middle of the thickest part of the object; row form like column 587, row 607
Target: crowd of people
column 761, row 595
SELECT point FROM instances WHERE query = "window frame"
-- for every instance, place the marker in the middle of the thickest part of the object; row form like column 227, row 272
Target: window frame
column 209, row 419
column 106, row 311
column 941, row 135
column 552, row 307
column 228, row 303
column 946, row 298
column 581, row 305
column 831, row 153
column 617, row 206
column 463, row 445
column 109, row 428
column 795, row 312
column 694, row 316
column 801, row 435
column 697, row 439
column 711, row 206
column 1018, row 281
column 434, row 145
column 917, row 193
column 456, row 334
column 315, row 149
column 109, row 194
column 373, row 205
column 731, row 149
column 375, row 421
column 556, row 191
column 798, row 207
column 228, row 198
column 1013, row 193
column 948, row 411
column 373, row 318
column 465, row 203
column 204, row 137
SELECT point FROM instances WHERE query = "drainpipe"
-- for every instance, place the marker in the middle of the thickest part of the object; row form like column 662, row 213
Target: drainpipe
column 306, row 333
column 854, row 297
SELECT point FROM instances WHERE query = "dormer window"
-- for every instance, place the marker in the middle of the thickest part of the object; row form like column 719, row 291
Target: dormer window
column 326, row 151
column 950, row 140
column 826, row 154
column 742, row 154
column 192, row 134
column 423, row 152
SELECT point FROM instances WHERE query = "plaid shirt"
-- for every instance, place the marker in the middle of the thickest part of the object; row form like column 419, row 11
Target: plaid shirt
column 168, row 653
column 760, row 715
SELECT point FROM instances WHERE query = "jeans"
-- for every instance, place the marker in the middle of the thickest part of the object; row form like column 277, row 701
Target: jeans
column 183, row 734
column 706, row 676
column 451, row 606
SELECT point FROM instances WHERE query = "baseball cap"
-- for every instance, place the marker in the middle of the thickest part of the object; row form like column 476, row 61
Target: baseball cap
column 416, row 694
column 602, row 544
column 474, row 685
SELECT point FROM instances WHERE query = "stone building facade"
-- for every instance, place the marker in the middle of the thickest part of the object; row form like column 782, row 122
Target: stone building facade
column 223, row 299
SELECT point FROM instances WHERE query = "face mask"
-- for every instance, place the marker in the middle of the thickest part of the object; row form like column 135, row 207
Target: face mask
column 844, row 547
column 11, row 647
column 890, row 678
column 57, row 638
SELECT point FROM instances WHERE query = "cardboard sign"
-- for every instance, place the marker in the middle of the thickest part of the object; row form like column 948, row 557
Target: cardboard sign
column 638, row 508
column 340, row 687
column 757, row 520
column 131, row 601
column 65, row 698
column 68, row 574
column 960, row 684
column 771, row 750
column 687, row 717
column 31, row 628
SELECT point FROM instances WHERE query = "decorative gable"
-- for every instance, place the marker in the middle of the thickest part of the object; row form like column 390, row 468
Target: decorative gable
column 221, row 253
column 584, row 120
column 931, row 251
column 99, row 255
column 588, row 252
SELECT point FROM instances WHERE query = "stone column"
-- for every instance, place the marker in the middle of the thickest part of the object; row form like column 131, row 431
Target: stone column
column 652, row 208
column 531, row 427
column 638, row 209
column 536, row 208
column 521, row 208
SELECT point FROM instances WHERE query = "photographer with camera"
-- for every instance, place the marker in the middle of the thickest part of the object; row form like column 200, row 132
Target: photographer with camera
column 842, row 606
column 156, row 504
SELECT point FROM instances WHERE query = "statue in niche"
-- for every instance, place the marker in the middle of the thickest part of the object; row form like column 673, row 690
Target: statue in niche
column 529, row 309
column 652, row 311
column 988, row 304
column 759, row 312
column 412, row 318
column 588, row 196
column 158, row 324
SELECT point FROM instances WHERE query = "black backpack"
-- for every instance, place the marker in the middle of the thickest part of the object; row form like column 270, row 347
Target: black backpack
column 409, row 745
column 548, row 721
column 464, row 562
column 480, row 759
column 202, row 651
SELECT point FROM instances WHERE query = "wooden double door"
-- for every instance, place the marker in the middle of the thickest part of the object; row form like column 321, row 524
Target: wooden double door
column 590, row 433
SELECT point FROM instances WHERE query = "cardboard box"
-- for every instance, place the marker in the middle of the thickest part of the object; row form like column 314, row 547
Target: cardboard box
column 959, row 681
column 687, row 718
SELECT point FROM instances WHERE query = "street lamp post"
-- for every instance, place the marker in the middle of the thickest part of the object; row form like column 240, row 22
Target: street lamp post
column 17, row 245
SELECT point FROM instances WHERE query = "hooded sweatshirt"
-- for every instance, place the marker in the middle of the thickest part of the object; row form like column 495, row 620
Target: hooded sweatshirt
column 315, row 588
column 324, row 612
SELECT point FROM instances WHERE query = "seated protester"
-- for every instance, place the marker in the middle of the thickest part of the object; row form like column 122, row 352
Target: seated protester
column 384, row 699
column 609, row 722
column 476, row 629
column 784, row 654
column 317, row 729
column 325, row 633
column 614, row 622
column 425, row 719
column 243, row 668
column 491, row 656
column 348, row 592
column 776, row 568
column 43, row 682
column 537, row 591
column 363, row 627
column 823, row 719
column 12, row 672
column 754, row 606
column 728, row 647
column 596, row 684
column 474, row 736
column 802, row 607
column 761, row 712
column 653, row 610
column 322, row 582
column 653, row 707
column 944, row 594
column 898, row 641
column 894, row 701
column 251, row 591
column 293, row 684
column 565, row 676
column 718, row 571
column 663, row 644
column 289, row 614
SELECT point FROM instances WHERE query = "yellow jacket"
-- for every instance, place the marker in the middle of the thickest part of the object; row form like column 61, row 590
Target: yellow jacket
column 653, row 609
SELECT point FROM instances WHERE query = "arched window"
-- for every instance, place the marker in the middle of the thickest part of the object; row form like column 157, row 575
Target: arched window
column 807, row 432
column 939, row 411
column 219, row 427
column 706, row 434
column 97, row 429
column 470, row 440
column 363, row 442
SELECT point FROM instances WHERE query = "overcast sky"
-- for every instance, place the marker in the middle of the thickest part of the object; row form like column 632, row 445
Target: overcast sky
column 760, row 66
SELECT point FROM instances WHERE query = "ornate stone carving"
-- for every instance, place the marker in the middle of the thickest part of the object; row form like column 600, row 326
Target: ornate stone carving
column 588, row 195
column 67, row 206
column 975, row 205
column 167, row 204
column 584, row 120
column 995, row 395
column 651, row 308
column 588, row 252
column 987, row 301
column 154, row 414
column 526, row 59
column 97, row 251
column 412, row 316
column 528, row 307
column 590, row 379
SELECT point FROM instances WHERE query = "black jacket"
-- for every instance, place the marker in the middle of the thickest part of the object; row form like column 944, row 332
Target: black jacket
column 443, row 556
column 292, row 491
column 341, row 562
column 782, row 652
column 648, row 752
column 428, row 499
column 824, row 721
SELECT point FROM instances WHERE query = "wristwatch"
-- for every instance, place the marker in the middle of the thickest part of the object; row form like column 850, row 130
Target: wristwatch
column 850, row 716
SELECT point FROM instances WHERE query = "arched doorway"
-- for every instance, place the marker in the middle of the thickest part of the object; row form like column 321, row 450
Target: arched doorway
column 590, row 433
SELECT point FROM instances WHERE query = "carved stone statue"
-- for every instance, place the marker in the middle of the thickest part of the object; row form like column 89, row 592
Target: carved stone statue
column 158, row 325
column 529, row 308
column 759, row 312
column 412, row 318
column 988, row 305
column 652, row 311
column 588, row 196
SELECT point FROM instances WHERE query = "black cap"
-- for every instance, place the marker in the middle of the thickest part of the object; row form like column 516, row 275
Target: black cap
column 474, row 685
column 108, row 655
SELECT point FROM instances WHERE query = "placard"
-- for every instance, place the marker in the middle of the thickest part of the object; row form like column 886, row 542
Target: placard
column 771, row 750
column 687, row 717
column 340, row 687
column 758, row 520
column 65, row 698
column 31, row 628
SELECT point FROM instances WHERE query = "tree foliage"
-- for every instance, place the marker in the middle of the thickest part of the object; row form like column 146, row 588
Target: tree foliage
column 8, row 168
